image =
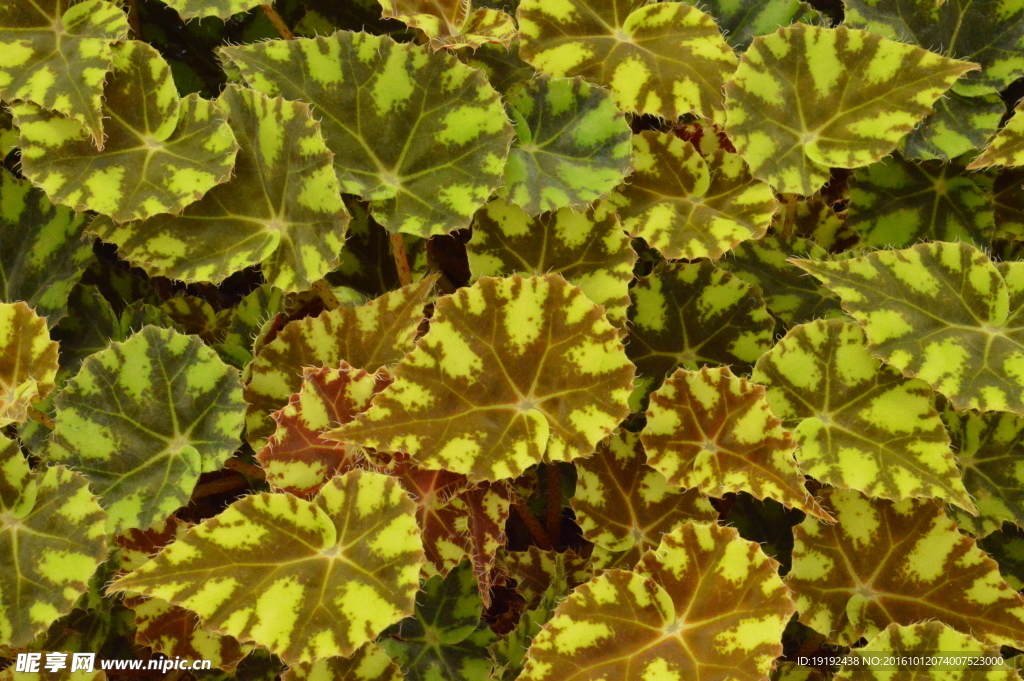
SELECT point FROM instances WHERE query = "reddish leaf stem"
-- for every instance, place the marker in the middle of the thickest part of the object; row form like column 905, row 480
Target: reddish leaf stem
column 278, row 22
column 42, row 419
column 540, row 537
column 323, row 289
column 244, row 468
column 401, row 259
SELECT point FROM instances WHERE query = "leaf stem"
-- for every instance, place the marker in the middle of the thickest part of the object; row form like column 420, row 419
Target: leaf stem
column 323, row 289
column 790, row 218
column 244, row 468
column 540, row 537
column 401, row 259
column 42, row 419
column 133, row 19
column 278, row 22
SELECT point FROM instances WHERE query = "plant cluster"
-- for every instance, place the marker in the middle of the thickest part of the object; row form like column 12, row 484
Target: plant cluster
column 551, row 340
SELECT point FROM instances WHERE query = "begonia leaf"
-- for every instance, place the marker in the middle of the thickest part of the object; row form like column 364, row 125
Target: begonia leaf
column 369, row 663
column 558, row 380
column 453, row 23
column 222, row 9
column 28, row 361
column 741, row 22
column 320, row 592
column 1007, row 147
column 958, row 125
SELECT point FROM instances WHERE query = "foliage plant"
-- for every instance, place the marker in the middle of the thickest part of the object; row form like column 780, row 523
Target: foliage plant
column 552, row 340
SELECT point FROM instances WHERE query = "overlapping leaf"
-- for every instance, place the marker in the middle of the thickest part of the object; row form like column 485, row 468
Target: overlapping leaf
column 902, row 563
column 344, row 567
column 1008, row 193
column 191, row 9
column 689, row 314
column 666, row 59
column 589, row 249
column 369, row 663
column 808, row 98
column 859, row 424
column 366, row 261
column 447, row 638
column 688, row 206
column 419, row 134
column 512, row 371
column 42, row 252
column 57, row 54
column 28, row 361
column 366, row 337
column 161, row 152
column 196, row 317
column 624, row 505
column 1007, row 147
column 789, row 294
column 281, row 208
column 741, row 22
column 706, row 605
column 453, row 23
column 989, row 448
column 988, row 32
column 504, row 68
column 297, row 459
column 713, row 431
column 931, row 650
column 940, row 312
column 143, row 418
column 1006, row 546
column 175, row 632
column 958, row 125
column 900, row 203
column 572, row 145
column 51, row 541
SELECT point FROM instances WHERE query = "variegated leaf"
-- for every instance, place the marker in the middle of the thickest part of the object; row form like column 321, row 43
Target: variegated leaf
column 1007, row 147
column 366, row 261
column 28, row 361
column 504, row 68
column 344, row 566
column 706, row 606
column 42, row 248
column 688, row 206
column 161, row 152
column 940, row 312
column 367, row 337
column 176, row 632
column 897, row 203
column 666, row 59
column 196, row 317
column 1008, row 193
column 453, row 23
column 713, row 431
column 557, row 381
column 223, row 9
column 859, row 424
column 742, row 21
column 281, row 209
column 572, row 145
column 589, row 249
column 51, row 541
column 245, row 322
column 1006, row 546
column 369, row 663
column 958, row 125
column 897, row 563
column 625, row 506
column 296, row 458
column 378, row 101
column 692, row 314
column 807, row 98
column 143, row 418
column 57, row 55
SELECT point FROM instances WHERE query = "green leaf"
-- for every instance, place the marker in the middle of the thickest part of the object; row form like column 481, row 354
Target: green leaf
column 1007, row 147
column 1009, row 204
column 42, row 248
column 691, row 314
column 901, row 563
column 161, row 152
column 1006, row 546
column 714, row 431
column 453, row 23
column 741, row 22
column 589, row 249
column 789, row 294
column 958, row 125
column 281, row 208
column 176, row 632
column 366, row 261
column 807, row 98
column 989, row 32
column 859, row 424
column 512, row 371
column 51, row 541
column 503, row 66
column 900, row 203
column 446, row 639
column 297, row 458
column 344, row 566
column 191, row 9
column 196, row 317
column 245, row 321
column 28, row 361
column 666, row 59
column 931, row 649
column 368, row 336
column 369, row 663
column 143, row 418
column 989, row 447
column 688, row 206
column 572, row 145
column 940, row 312
column 624, row 505
column 378, row 101
column 57, row 55
column 706, row 605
